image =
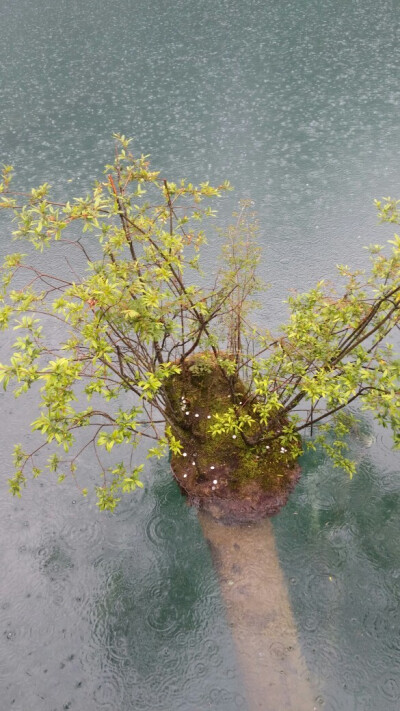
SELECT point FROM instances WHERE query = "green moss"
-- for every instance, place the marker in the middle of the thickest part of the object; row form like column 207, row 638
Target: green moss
column 196, row 395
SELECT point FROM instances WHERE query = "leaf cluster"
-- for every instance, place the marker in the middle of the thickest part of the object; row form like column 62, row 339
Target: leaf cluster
column 133, row 306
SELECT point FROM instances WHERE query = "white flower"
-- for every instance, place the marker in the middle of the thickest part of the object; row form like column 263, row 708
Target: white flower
column 208, row 417
column 197, row 414
column 212, row 467
column 233, row 436
column 184, row 454
column 213, row 488
column 267, row 447
column 187, row 413
column 184, row 476
column 283, row 449
column 215, row 481
column 194, row 464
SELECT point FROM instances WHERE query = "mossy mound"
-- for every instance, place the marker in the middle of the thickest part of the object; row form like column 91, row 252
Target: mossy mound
column 226, row 476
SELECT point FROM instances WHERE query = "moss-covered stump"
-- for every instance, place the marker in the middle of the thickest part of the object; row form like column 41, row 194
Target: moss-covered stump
column 224, row 475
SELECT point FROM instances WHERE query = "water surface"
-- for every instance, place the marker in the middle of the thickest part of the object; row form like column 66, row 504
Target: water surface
column 297, row 103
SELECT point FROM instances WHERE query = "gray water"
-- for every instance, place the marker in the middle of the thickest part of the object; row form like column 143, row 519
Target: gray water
column 297, row 104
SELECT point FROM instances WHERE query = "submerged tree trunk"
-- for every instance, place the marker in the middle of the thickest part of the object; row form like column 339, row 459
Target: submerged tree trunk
column 259, row 612
column 234, row 482
column 226, row 475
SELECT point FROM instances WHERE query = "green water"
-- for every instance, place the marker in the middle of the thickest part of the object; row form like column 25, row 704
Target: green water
column 297, row 103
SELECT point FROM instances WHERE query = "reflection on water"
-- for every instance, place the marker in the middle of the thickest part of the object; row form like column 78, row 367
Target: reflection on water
column 297, row 103
column 338, row 542
column 125, row 611
column 121, row 613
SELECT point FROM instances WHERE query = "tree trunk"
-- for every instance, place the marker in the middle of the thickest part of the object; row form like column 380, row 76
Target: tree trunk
column 227, row 476
column 258, row 610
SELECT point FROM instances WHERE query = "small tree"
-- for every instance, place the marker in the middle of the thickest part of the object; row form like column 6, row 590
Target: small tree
column 166, row 355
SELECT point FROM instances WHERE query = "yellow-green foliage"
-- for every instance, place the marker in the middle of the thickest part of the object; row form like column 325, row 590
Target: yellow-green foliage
column 138, row 321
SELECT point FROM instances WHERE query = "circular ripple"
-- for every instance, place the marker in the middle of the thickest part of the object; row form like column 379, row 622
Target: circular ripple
column 390, row 689
column 323, row 587
column 279, row 651
column 160, row 528
column 98, row 626
column 86, row 531
column 108, row 694
column 217, row 697
column 354, row 679
column 200, row 670
column 330, row 653
column 328, row 702
column 211, row 650
column 118, row 650
column 163, row 620
column 310, row 623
